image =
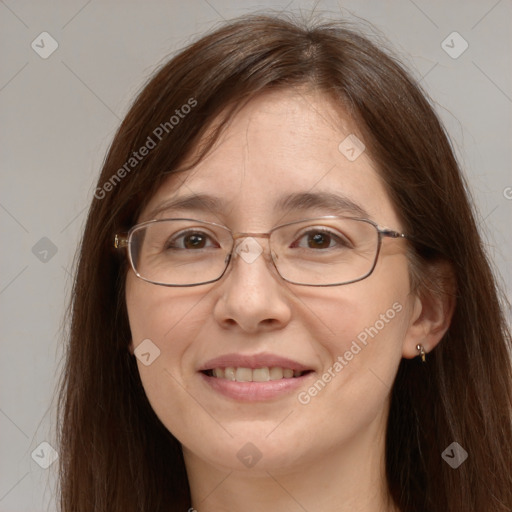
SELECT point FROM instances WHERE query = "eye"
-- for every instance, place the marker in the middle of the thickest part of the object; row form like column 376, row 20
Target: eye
column 322, row 239
column 190, row 240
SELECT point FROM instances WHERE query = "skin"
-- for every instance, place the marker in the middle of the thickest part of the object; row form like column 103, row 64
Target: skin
column 327, row 454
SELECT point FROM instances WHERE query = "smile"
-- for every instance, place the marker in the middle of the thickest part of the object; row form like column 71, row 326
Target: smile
column 265, row 374
column 254, row 378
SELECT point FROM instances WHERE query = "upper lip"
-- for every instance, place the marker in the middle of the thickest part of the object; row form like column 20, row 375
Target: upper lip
column 252, row 361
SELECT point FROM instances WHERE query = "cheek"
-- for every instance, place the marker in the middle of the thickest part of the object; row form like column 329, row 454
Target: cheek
column 360, row 313
column 367, row 323
column 168, row 317
column 351, row 395
column 159, row 326
column 372, row 326
column 165, row 326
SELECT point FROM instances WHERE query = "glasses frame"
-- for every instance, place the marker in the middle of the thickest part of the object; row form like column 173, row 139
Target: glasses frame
column 123, row 241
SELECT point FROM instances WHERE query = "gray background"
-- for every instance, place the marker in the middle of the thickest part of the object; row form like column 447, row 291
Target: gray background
column 59, row 115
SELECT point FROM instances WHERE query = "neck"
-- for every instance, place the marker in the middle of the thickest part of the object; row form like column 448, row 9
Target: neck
column 349, row 478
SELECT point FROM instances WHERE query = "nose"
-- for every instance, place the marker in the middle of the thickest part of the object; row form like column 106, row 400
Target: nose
column 253, row 296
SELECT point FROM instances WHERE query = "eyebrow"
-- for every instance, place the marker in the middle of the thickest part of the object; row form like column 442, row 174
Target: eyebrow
column 333, row 203
column 300, row 201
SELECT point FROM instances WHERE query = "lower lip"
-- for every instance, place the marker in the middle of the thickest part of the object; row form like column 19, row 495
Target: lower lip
column 255, row 391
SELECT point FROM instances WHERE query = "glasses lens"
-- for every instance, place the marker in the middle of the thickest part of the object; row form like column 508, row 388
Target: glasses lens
column 179, row 252
column 325, row 251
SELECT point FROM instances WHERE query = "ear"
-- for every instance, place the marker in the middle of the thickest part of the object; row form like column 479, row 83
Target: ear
column 432, row 310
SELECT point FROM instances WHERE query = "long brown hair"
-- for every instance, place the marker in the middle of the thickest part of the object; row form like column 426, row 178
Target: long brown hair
column 115, row 454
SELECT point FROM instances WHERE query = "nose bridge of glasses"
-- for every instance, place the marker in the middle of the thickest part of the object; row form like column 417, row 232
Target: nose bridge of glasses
column 237, row 236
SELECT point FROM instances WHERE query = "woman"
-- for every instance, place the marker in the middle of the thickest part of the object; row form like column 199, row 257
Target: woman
column 282, row 301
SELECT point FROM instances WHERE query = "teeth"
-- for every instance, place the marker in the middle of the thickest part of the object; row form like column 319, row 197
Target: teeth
column 287, row 373
column 260, row 375
column 243, row 375
column 276, row 373
column 229, row 373
column 255, row 375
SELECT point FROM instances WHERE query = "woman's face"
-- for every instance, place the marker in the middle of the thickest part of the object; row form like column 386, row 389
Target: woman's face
column 349, row 338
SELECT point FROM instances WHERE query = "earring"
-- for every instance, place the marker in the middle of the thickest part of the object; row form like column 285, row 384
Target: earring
column 421, row 350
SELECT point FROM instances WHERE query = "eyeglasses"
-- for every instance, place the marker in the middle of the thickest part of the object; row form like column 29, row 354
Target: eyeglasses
column 323, row 251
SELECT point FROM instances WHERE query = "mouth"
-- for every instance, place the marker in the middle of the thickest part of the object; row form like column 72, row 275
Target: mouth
column 264, row 374
column 254, row 377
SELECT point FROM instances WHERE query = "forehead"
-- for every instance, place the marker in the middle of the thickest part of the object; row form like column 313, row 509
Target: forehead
column 279, row 145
